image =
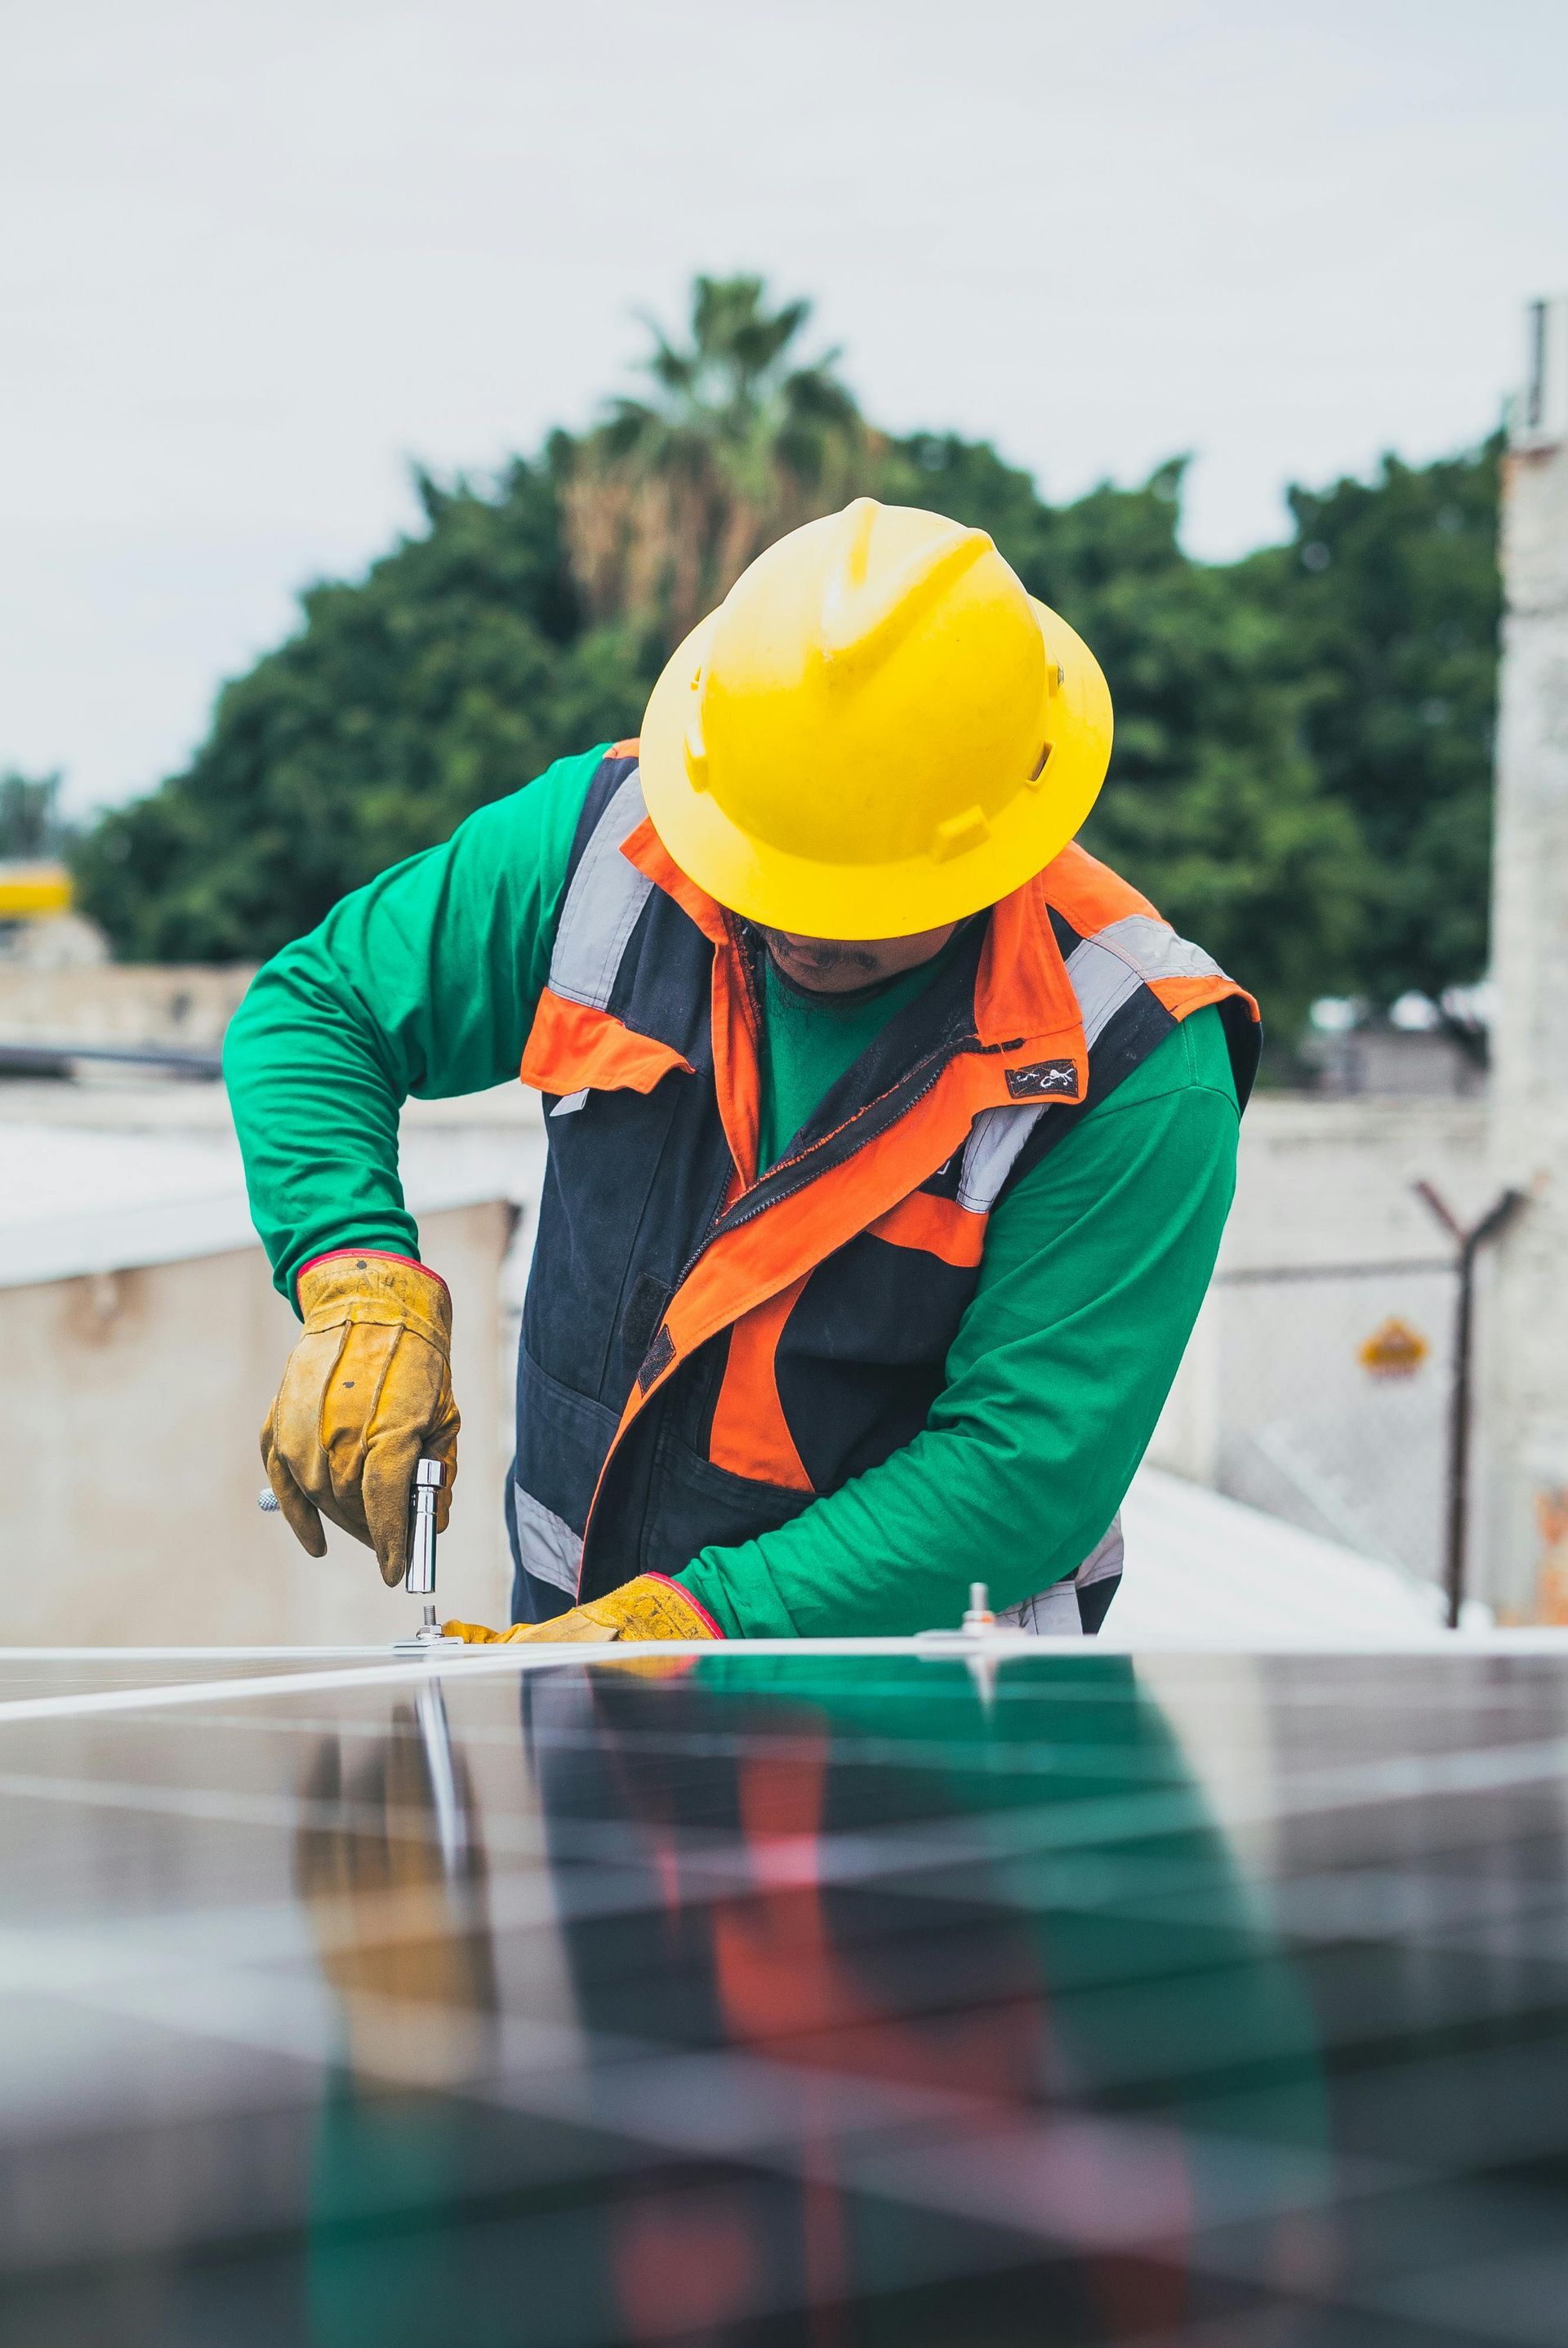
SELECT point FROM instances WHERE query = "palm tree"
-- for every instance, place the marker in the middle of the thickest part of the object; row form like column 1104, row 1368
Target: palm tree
column 671, row 496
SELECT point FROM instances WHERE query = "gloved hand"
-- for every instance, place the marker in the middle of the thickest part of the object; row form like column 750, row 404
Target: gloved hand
column 366, row 1392
column 648, row 1608
column 402, row 1936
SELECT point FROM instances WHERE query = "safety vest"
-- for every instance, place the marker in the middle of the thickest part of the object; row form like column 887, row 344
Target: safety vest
column 704, row 1353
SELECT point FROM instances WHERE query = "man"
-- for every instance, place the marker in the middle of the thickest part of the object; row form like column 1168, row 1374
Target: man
column 890, row 1136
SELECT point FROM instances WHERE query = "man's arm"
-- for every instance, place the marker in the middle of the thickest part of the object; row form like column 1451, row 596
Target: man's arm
column 1094, row 1270
column 424, row 982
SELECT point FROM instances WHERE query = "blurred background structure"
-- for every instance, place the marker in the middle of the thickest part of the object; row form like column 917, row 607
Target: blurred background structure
column 1306, row 704
column 1526, row 1390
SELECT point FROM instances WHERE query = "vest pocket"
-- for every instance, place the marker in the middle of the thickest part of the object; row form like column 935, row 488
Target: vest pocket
column 562, row 1438
column 693, row 1505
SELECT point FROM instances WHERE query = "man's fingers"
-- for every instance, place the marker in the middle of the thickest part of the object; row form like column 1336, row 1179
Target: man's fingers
column 360, row 1403
column 304, row 1521
column 385, row 1489
column 301, row 1516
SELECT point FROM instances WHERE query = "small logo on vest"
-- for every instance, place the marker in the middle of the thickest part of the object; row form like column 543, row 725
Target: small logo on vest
column 1042, row 1077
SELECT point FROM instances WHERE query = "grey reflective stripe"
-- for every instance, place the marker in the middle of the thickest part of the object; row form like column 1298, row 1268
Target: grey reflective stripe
column 602, row 905
column 1107, row 969
column 569, row 1103
column 1053, row 1613
column 1154, row 950
column 1105, row 1558
column 1103, row 982
column 994, row 1140
column 546, row 1545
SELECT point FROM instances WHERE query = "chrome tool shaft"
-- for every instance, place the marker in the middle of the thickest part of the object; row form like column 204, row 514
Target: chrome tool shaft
column 419, row 1581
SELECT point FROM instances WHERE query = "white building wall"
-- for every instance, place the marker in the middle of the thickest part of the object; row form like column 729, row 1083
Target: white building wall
column 132, row 1401
column 1328, row 1243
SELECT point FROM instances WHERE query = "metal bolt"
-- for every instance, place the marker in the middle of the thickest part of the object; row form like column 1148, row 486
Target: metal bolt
column 979, row 1616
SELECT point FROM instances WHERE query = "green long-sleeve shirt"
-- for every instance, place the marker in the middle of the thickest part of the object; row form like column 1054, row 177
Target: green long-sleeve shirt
column 425, row 982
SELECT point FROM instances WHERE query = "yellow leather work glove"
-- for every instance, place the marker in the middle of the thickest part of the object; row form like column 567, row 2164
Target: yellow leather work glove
column 366, row 1392
column 649, row 1607
column 402, row 1936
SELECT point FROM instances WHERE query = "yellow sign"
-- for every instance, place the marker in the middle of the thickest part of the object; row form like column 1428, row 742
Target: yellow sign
column 1394, row 1351
column 33, row 893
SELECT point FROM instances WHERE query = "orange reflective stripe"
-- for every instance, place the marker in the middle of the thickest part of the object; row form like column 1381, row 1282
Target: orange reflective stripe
column 646, row 851
column 737, row 1074
column 737, row 1064
column 1088, row 893
column 747, row 1264
column 750, row 1435
column 940, row 1227
column 1183, row 995
column 571, row 1047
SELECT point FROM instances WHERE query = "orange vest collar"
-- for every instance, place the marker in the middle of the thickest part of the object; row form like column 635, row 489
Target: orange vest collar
column 1023, row 993
column 646, row 851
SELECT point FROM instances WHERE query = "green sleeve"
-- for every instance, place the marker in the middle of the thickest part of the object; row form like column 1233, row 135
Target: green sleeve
column 1094, row 1269
column 424, row 982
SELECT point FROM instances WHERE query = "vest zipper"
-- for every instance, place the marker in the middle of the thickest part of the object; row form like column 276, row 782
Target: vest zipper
column 746, row 1211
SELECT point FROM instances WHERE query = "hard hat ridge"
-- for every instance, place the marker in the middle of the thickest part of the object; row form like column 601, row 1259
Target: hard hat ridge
column 863, row 615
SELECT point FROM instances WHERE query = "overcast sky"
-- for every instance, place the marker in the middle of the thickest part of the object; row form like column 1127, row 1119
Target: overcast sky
column 255, row 258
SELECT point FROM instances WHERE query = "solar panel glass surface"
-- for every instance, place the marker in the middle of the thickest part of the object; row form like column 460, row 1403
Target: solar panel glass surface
column 816, row 1999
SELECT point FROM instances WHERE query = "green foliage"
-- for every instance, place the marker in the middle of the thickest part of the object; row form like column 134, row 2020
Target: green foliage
column 669, row 499
column 1390, row 598
column 732, row 393
column 1301, row 777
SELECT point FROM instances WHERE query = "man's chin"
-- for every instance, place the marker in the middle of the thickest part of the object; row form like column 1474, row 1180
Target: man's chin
column 838, row 970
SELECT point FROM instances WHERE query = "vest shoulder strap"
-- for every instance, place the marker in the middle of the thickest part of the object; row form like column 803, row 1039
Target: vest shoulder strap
column 604, row 893
column 1134, row 978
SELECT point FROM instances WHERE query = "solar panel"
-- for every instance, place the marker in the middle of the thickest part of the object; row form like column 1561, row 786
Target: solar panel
column 813, row 1997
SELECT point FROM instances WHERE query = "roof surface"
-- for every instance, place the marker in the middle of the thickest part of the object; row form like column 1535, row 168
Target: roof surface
column 76, row 1200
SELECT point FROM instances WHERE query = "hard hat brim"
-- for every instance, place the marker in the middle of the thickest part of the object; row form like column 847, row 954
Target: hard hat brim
column 786, row 892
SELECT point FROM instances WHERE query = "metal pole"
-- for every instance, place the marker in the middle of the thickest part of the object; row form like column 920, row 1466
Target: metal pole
column 1469, row 1244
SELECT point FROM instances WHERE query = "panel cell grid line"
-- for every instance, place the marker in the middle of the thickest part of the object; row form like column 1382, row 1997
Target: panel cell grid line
column 773, row 1997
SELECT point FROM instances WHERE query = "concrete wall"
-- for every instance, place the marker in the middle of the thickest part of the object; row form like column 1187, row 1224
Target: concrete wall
column 121, row 1003
column 1327, row 1243
column 131, row 1402
column 1330, row 1181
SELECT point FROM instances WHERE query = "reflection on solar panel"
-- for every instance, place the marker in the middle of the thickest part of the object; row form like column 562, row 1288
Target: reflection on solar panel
column 816, row 1999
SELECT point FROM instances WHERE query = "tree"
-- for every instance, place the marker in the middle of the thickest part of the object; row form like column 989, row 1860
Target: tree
column 670, row 497
column 1389, row 602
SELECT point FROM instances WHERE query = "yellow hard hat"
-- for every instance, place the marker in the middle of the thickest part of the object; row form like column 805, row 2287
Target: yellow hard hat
column 877, row 732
